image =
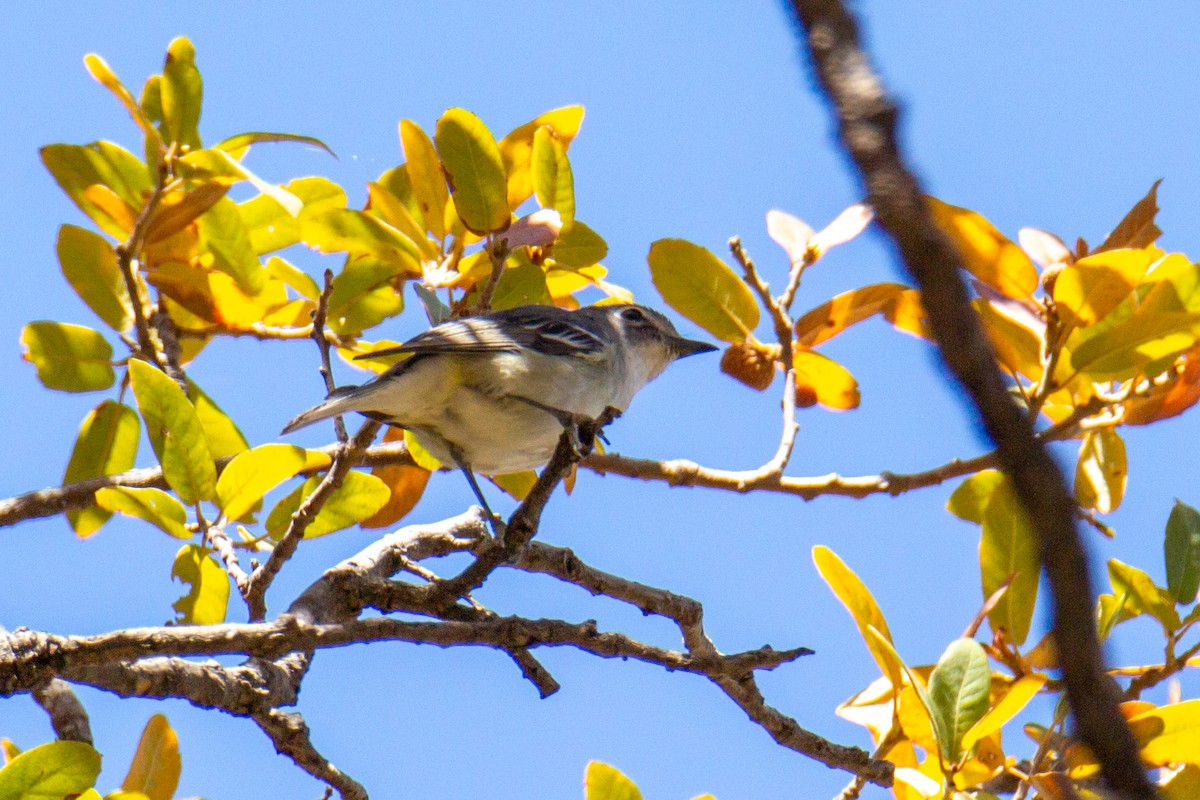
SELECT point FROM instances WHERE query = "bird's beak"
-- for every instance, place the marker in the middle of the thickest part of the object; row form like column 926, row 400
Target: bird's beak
column 690, row 347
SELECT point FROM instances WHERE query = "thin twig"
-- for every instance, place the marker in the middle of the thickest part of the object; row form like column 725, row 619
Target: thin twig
column 318, row 336
column 347, row 456
column 129, row 250
column 497, row 251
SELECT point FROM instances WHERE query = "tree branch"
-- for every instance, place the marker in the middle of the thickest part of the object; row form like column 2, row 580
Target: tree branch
column 867, row 124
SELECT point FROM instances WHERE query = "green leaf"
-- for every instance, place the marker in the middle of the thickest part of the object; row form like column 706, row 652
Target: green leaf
column 579, row 246
column 475, row 170
column 1181, row 549
column 359, row 497
column 223, row 235
column 702, row 288
column 89, row 264
column 107, row 445
column 521, row 284
column 605, row 782
column 1144, row 596
column 71, row 358
column 436, row 311
column 121, row 176
column 151, row 505
column 154, row 771
column 858, row 600
column 1007, row 548
column 1145, row 337
column 50, row 772
column 958, row 693
column 972, row 496
column 271, row 227
column 208, row 595
column 343, row 230
column 182, row 92
column 1101, row 471
column 366, row 292
column 175, row 433
column 224, row 438
column 253, row 473
column 553, row 181
column 424, row 170
column 238, row 144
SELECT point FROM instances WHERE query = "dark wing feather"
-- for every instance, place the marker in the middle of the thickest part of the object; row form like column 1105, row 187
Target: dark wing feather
column 544, row 329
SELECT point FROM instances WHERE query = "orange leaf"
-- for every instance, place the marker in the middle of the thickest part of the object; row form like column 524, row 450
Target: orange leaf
column 848, row 308
column 1180, row 395
column 407, row 482
column 987, row 254
column 824, row 380
column 1137, row 228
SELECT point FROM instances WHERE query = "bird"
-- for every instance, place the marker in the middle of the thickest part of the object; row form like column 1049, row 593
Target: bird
column 493, row 393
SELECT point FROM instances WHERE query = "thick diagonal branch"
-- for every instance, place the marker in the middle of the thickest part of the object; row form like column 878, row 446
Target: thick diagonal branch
column 867, row 125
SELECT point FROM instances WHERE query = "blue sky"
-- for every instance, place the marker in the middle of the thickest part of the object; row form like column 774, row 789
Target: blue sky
column 699, row 121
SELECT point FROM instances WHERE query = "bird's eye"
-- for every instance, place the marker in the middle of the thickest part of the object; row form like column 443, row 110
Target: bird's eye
column 634, row 314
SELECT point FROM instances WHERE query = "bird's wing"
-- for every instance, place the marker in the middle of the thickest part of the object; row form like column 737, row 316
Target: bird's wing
column 543, row 329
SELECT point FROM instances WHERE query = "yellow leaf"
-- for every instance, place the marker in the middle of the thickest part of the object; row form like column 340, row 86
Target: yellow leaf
column 824, row 380
column 89, row 264
column 1101, row 470
column 252, row 474
column 1008, row 549
column 475, row 170
column 102, row 72
column 208, row 595
column 1092, row 287
column 553, row 181
column 987, row 254
column 50, row 771
column 972, row 496
column 604, row 782
column 175, row 432
column 849, row 308
column 381, row 201
column 1018, row 346
column 70, row 358
column 857, row 598
column 106, row 445
column 517, row 148
column 516, row 484
column 156, row 764
column 152, row 505
column 425, row 173
column 702, row 288
column 1169, row 734
column 1015, row 699
column 182, row 90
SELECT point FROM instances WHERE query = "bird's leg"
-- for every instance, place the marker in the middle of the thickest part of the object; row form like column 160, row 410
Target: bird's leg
column 581, row 430
column 460, row 462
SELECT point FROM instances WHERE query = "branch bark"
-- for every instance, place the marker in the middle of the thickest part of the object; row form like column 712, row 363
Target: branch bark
column 867, row 118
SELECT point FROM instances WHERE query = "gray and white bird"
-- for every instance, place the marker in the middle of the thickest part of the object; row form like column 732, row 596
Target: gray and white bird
column 493, row 393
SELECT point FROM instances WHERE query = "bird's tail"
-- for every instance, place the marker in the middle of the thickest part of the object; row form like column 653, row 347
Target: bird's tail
column 339, row 401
